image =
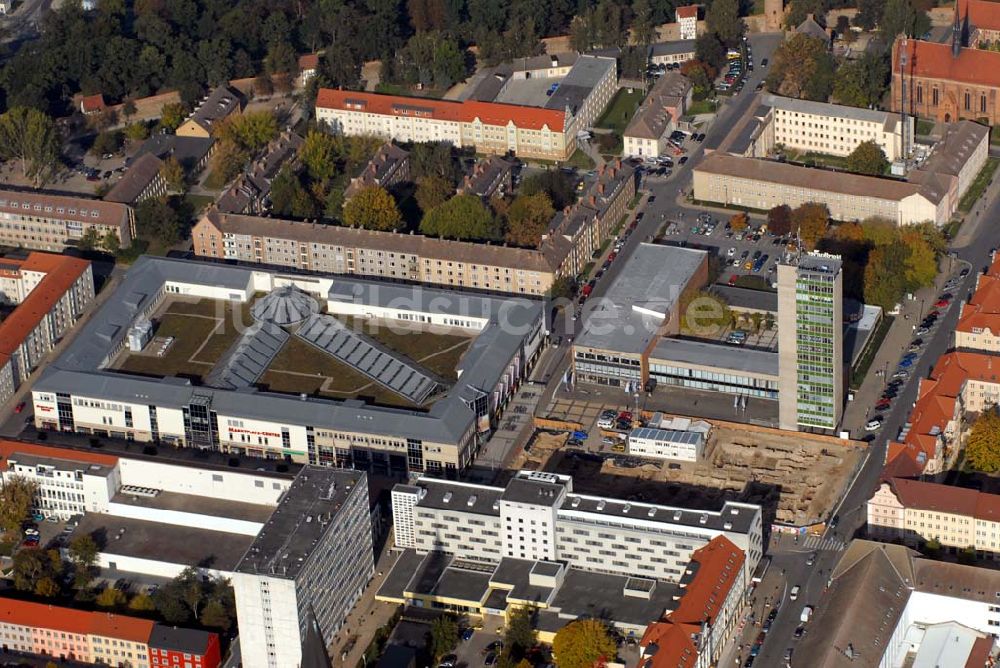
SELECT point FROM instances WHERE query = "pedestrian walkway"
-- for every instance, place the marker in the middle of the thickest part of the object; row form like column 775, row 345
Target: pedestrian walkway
column 820, row 543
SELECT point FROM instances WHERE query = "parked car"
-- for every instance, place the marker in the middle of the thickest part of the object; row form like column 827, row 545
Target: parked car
column 19, row 407
column 794, row 594
column 873, row 425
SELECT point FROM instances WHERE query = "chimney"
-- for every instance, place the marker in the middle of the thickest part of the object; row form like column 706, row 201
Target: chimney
column 592, row 200
column 600, row 188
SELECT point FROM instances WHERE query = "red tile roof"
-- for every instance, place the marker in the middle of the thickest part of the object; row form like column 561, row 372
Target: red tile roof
column 688, row 12
column 718, row 568
column 309, row 61
column 980, row 13
column 983, row 309
column 69, row 620
column 922, row 495
column 489, row 113
column 9, row 448
column 61, row 271
column 92, row 103
column 935, row 61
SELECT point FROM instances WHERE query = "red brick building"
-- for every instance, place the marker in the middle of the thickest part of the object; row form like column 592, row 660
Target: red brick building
column 172, row 647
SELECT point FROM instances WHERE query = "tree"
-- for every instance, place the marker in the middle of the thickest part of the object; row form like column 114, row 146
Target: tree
column 372, row 208
column 263, row 85
column 982, row 451
column 562, row 288
column 556, row 184
column 216, row 615
column 520, row 635
column 739, row 222
column 171, row 116
column 584, row 643
column 802, row 67
column 528, row 219
column 709, row 49
column 16, row 498
column 136, row 132
column 462, row 217
column 811, row 220
column 281, row 59
column 868, row 158
column 869, row 13
column 723, row 19
column 29, row 136
column 83, row 555
column 444, row 636
column 173, row 173
column 251, row 131
column 90, row 239
column 157, row 220
column 319, row 153
column 128, row 109
column 142, row 602
column 701, row 75
column 30, row 567
column 862, row 82
column 643, row 27
column 111, row 597
column 108, row 141
column 432, row 191
column 900, row 18
column 843, row 29
column 779, row 220
column 433, row 159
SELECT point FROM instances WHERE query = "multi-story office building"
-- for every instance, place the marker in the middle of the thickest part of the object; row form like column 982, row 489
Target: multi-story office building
column 102, row 638
column 46, row 221
column 537, row 516
column 51, row 292
column 834, row 129
column 489, row 127
column 311, row 560
column 810, row 341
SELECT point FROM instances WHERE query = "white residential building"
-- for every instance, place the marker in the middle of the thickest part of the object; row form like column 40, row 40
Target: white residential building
column 687, row 20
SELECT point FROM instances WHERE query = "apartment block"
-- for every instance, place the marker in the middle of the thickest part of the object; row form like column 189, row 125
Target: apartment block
column 311, row 561
column 834, row 129
column 141, row 181
column 657, row 116
column 46, row 221
column 489, row 127
column 764, row 184
column 389, row 166
column 978, row 326
column 489, row 178
column 537, row 516
column 810, row 341
column 251, row 191
column 50, row 292
column 102, row 638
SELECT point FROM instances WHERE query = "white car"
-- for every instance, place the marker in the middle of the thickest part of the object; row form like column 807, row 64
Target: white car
column 873, row 425
column 731, row 252
column 794, row 594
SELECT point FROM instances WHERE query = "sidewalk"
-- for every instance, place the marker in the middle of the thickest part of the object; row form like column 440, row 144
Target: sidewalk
column 967, row 232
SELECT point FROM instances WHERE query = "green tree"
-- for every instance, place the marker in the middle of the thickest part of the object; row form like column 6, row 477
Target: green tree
column 444, row 636
column 141, row 602
column 528, row 219
column 723, row 19
column 372, row 208
column 900, row 18
column 281, row 59
column 90, row 239
column 170, row 605
column 811, row 221
column 802, row 67
column 643, row 27
column 111, row 597
column 779, row 220
column 982, row 451
column 173, row 173
column 584, row 643
column 109, row 141
column 862, row 82
column 30, row 137
column 157, row 220
column 562, row 288
column 17, row 495
column 128, row 109
column 32, row 566
column 319, row 153
column 251, row 131
column 462, row 217
column 47, row 587
column 921, row 261
column 520, row 635
column 432, row 191
column 708, row 48
column 216, row 615
column 171, row 116
column 83, row 555
column 136, row 132
column 434, row 159
column 554, row 183
column 869, row 13
column 868, row 158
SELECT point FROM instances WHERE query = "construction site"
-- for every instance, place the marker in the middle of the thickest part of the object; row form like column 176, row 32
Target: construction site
column 796, row 477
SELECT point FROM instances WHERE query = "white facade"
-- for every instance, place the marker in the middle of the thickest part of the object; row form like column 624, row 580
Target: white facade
column 684, row 446
column 65, row 487
column 586, row 532
column 223, row 485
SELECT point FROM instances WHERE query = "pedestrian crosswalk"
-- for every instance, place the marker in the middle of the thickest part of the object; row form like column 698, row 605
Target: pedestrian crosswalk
column 820, row 543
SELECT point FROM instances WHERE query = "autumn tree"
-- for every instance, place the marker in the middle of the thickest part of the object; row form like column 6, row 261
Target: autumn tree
column 83, row 552
column 528, row 219
column 111, row 597
column 135, row 132
column 868, row 158
column 36, row 570
column 372, row 208
column 811, row 221
column 554, row 183
column 462, row 217
column 16, row 498
column 584, row 644
column 432, row 190
column 31, row 138
column 982, row 451
column 141, row 602
column 319, row 154
column 173, row 174
column 779, row 220
column 171, row 116
column 802, row 67
column 739, row 222
column 250, row 131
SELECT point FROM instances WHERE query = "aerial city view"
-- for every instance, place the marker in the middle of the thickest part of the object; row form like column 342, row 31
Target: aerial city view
column 527, row 334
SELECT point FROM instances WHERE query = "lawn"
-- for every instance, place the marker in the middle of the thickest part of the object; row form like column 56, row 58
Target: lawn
column 198, row 203
column 580, row 160
column 213, row 181
column 406, row 91
column 702, row 107
column 859, row 372
column 924, row 127
column 978, row 186
column 817, row 159
column 202, row 332
column 619, row 112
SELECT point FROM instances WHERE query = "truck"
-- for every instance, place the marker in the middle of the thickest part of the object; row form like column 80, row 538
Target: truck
column 806, row 614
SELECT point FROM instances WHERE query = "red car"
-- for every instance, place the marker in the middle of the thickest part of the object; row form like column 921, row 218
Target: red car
column 625, row 415
column 941, row 303
column 611, row 256
column 732, row 280
column 883, row 404
column 19, row 407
